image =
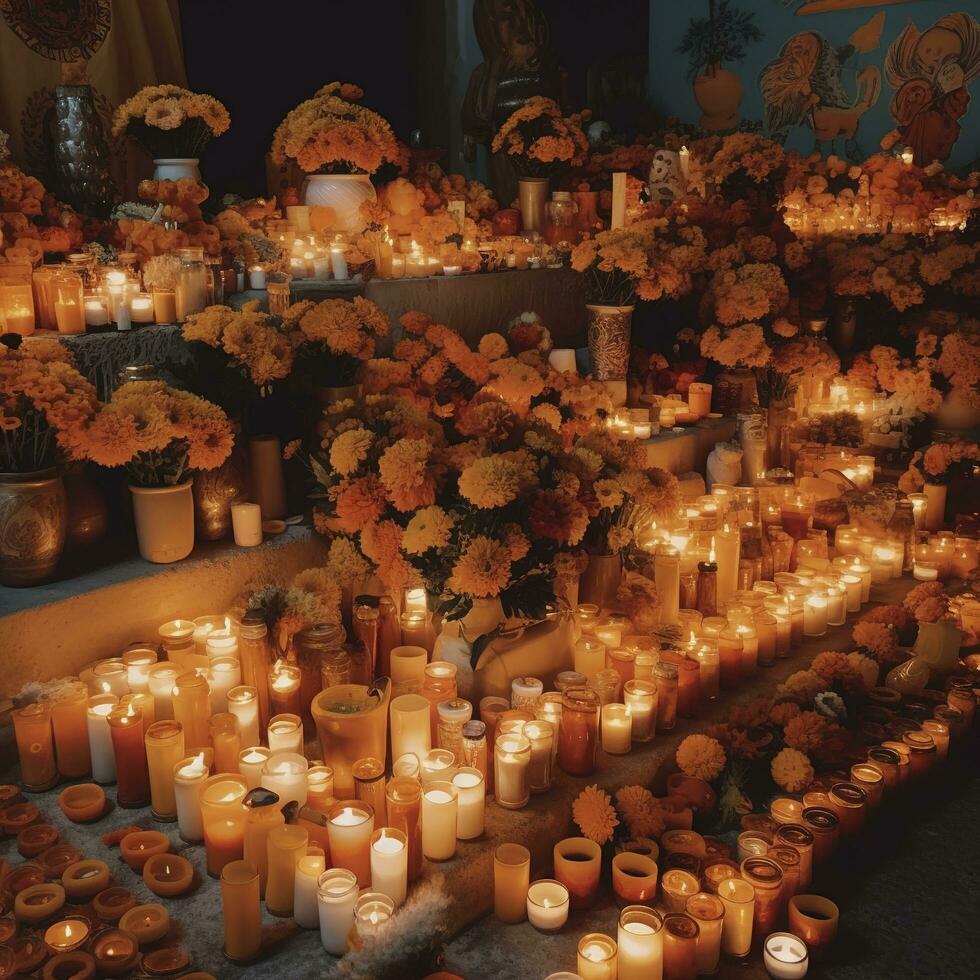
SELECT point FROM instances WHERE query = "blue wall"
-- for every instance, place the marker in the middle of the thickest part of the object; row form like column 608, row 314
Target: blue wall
column 779, row 20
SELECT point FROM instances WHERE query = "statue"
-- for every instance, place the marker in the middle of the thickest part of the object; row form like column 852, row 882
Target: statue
column 518, row 64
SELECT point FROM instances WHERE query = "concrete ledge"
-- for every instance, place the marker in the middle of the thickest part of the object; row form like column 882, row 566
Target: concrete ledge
column 56, row 629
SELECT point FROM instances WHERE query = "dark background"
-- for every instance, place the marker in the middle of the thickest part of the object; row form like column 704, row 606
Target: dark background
column 260, row 67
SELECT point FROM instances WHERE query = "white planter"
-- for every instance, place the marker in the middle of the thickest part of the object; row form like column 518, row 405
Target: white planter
column 164, row 518
column 176, row 168
column 344, row 193
column 935, row 515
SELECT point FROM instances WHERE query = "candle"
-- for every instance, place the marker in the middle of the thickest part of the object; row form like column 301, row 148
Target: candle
column 709, row 912
column 241, row 911
column 666, row 568
column 677, row 887
column 188, row 777
column 83, row 880
column 699, row 398
column 785, row 956
column 129, row 749
column 410, row 719
column 641, row 700
column 191, row 707
column 350, row 826
column 168, row 875
column 590, row 656
column 634, row 878
column 308, row 870
column 813, row 919
column 223, row 818
column 617, row 727
column 164, row 749
column 440, row 809
column 141, row 309
column 100, row 741
column 336, row 897
column 286, row 845
column 640, row 942
column 578, row 732
column 251, row 762
column 471, row 793
column 116, row 952
column 226, row 742
column 69, row 725
column 389, row 863
column 111, row 904
column 285, row 733
column 597, row 957
column 246, row 523
column 404, row 811
column 35, row 746
column 243, row 703
column 398, row 266
column 50, row 863
column 512, row 760
column 369, row 782
column 96, row 314
column 284, row 773
column 82, row 803
column 511, row 880
column 408, row 662
column 815, row 615
column 137, row 847
column 738, row 897
column 371, row 910
column 284, row 684
column 578, row 864
column 225, row 672
column 338, row 262
column 32, row 840
column 160, row 679
column 727, row 543
column 547, row 905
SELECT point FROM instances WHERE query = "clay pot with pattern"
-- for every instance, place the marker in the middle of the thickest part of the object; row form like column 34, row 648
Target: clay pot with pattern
column 33, row 526
column 609, row 340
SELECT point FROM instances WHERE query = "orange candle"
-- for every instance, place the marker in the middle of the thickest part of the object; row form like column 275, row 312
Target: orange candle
column 129, row 749
column 403, row 797
column 578, row 864
column 192, row 708
column 226, row 740
column 634, row 878
column 688, row 682
column 241, row 911
column 168, row 875
column 578, row 733
column 139, row 846
column 35, row 746
column 69, row 722
column 82, row 803
column 224, row 820
column 350, row 826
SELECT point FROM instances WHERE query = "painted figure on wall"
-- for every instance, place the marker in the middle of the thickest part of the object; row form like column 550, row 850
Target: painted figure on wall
column 518, row 64
column 931, row 71
column 805, row 85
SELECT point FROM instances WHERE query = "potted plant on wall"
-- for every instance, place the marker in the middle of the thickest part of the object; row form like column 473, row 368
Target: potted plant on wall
column 710, row 42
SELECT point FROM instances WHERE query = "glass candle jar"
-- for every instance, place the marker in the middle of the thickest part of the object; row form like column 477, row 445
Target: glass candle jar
column 642, row 699
column 223, row 817
column 541, row 735
column 578, row 732
column 730, row 657
column 824, row 825
column 597, row 956
column 680, row 946
column 512, row 761
column 850, row 803
column 640, row 940
column 766, row 877
column 665, row 677
column 709, row 913
column 607, row 683
column 676, row 887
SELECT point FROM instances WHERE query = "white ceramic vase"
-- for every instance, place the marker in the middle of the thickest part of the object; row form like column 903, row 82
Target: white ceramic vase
column 344, row 193
column 164, row 518
column 176, row 168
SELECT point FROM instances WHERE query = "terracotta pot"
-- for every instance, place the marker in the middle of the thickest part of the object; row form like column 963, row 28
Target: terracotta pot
column 532, row 193
column 600, row 580
column 718, row 92
column 164, row 518
column 344, row 193
column 88, row 512
column 33, row 526
column 609, row 340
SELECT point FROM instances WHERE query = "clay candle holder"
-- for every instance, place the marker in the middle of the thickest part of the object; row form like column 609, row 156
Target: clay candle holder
column 17, row 816
column 83, row 880
column 77, row 965
column 168, row 875
column 813, row 919
column 66, row 935
column 8, row 928
column 82, row 803
column 39, row 837
column 138, row 847
column 148, row 923
column 29, row 953
column 55, row 859
column 578, row 865
column 109, row 905
column 37, row 903
column 9, row 793
column 634, row 878
column 116, row 952
column 166, row 962
column 23, row 876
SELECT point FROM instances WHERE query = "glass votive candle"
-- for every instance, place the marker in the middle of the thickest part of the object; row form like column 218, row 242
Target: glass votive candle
column 640, row 698
column 578, row 865
column 641, row 943
column 680, row 946
column 677, row 887
column 511, row 882
column 766, row 877
column 440, row 814
column 634, row 878
column 371, row 910
column 783, row 809
column 547, row 905
column 785, row 956
column 709, row 912
column 738, row 897
column 813, row 919
column 597, row 956
column 751, row 843
column 512, row 762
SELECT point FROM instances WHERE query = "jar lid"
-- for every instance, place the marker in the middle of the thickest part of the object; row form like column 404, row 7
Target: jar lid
column 474, row 730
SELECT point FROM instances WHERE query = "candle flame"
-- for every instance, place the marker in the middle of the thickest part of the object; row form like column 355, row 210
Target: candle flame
column 106, row 689
column 711, row 553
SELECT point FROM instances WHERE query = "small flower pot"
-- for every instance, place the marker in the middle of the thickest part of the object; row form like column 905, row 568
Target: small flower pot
column 164, row 519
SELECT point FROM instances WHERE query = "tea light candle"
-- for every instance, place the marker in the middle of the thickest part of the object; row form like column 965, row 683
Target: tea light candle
column 440, row 810
column 36, row 903
column 597, row 957
column 138, row 847
column 15, row 818
column 251, row 763
column 168, row 875
column 336, row 897
column 578, row 864
column 547, row 905
column 147, row 923
column 350, row 826
column 31, row 841
column 815, row 615
column 243, row 703
column 308, row 870
column 82, row 803
column 99, row 738
column 285, row 733
column 389, row 863
column 617, row 729
column 785, row 956
column 246, row 523
column 640, row 942
column 50, row 863
column 111, row 904
column 84, row 880
column 116, row 952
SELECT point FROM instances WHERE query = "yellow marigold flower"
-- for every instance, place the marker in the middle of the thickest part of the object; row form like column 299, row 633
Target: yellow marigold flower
column 701, row 756
column 345, row 562
column 829, row 664
column 406, row 475
column 547, row 414
column 784, row 712
column 429, row 527
column 877, row 638
column 608, row 493
column 791, row 770
column 594, row 814
column 865, row 667
column 483, row 569
column 491, row 481
column 802, row 686
column 641, row 811
column 349, row 450
column 164, row 114
column 807, row 731
column 493, row 346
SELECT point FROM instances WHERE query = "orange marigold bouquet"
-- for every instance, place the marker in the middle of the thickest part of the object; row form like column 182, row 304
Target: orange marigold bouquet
column 540, row 140
column 939, row 462
column 331, row 134
column 170, row 121
column 338, row 336
column 45, row 407
column 158, row 434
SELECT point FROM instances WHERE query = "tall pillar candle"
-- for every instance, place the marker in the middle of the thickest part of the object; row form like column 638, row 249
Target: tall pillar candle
column 511, row 880
column 411, row 729
column 192, row 709
column 100, row 741
column 286, row 845
column 160, row 680
column 263, row 815
column 589, row 656
column 404, row 806
column 727, row 545
column 224, row 673
column 440, row 807
column 666, row 571
column 336, row 896
column 408, row 662
column 541, row 735
column 471, row 789
column 189, row 776
column 69, row 723
column 224, row 820
column 512, row 761
column 251, row 763
column 243, row 703
column 285, row 773
column 138, row 661
column 308, row 870
column 132, row 776
column 268, row 482
column 241, row 911
column 226, row 741
column 35, row 745
column 389, row 863
column 164, row 749
column 350, row 826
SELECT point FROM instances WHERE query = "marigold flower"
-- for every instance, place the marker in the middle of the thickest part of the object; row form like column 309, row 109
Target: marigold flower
column 641, row 810
column 429, row 527
column 791, row 770
column 594, row 815
column 482, row 570
column 701, row 757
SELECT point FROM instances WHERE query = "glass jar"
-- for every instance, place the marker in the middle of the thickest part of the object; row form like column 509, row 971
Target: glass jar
column 216, row 281
column 607, row 684
column 680, row 934
column 766, row 877
column 922, row 752
column 788, row 859
column 688, row 682
column 438, row 685
column 312, row 648
column 191, row 294
column 511, row 770
column 578, row 732
column 475, row 746
column 335, row 669
column 69, row 299
column 452, row 716
column 801, row 840
column 365, row 630
column 850, row 803
column 901, row 526
column 706, row 654
column 730, row 657
column 623, row 662
column 824, row 824
column 642, row 700
column 665, row 677
column 559, row 230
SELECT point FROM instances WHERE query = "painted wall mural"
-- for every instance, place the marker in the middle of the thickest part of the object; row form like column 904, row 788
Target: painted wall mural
column 841, row 76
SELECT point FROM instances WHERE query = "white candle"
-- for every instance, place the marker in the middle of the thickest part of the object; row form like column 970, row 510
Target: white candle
column 925, row 571
column 246, row 523
column 411, row 728
column 440, row 808
column 336, row 895
column 563, row 359
column 338, row 262
column 256, row 277
column 189, row 775
column 641, row 700
column 863, row 569
column 308, row 871
column 408, row 662
column 110, row 677
column 100, row 739
column 284, row 773
column 512, row 762
column 617, row 728
column 321, row 267
column 389, row 863
column 251, row 762
column 471, row 793
column 852, row 584
column 285, row 733
column 224, row 674
column 120, row 309
column 453, row 270
column 435, row 765
column 243, row 703
column 142, row 308
column 836, row 605
column 541, row 734
column 785, row 956
column 547, row 905
column 641, row 944
column 96, row 314
column 138, row 664
column 727, row 546
column 590, row 656
column 160, row 679
column 815, row 615
column 525, row 691
column 684, row 157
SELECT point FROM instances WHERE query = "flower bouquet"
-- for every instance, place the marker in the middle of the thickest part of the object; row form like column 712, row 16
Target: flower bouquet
column 539, row 140
column 337, row 336
column 160, row 435
column 170, row 122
